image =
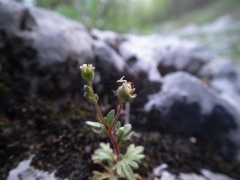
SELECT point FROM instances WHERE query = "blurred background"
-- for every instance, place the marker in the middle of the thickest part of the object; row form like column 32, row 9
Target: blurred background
column 214, row 23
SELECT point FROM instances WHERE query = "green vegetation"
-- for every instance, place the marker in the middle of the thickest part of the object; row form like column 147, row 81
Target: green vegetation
column 137, row 16
column 203, row 14
column 117, row 165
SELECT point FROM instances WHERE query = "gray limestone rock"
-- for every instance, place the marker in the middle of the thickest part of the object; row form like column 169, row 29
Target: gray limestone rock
column 108, row 59
column 41, row 50
column 161, row 173
column 157, row 55
column 51, row 37
column 26, row 172
column 189, row 107
column 222, row 75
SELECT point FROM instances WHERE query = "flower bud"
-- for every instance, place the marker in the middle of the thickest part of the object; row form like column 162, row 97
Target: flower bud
column 86, row 95
column 87, row 72
column 91, row 100
column 125, row 91
column 96, row 97
column 87, row 89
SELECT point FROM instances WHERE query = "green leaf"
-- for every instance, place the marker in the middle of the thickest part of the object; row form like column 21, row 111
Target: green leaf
column 93, row 124
column 117, row 126
column 100, row 176
column 129, row 161
column 113, row 178
column 120, row 133
column 127, row 128
column 110, row 117
column 123, row 133
column 124, row 167
column 99, row 130
column 104, row 153
column 134, row 153
column 96, row 127
column 128, row 136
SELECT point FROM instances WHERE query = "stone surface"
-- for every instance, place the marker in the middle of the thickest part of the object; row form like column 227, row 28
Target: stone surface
column 113, row 39
column 54, row 39
column 41, row 50
column 222, row 75
column 26, row 172
column 189, row 107
column 161, row 173
column 160, row 55
column 108, row 60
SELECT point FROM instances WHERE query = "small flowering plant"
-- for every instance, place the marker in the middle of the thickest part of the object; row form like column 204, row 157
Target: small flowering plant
column 117, row 165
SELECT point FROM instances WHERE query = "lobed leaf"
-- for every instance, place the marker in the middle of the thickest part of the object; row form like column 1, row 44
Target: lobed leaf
column 134, row 153
column 113, row 178
column 104, row 153
column 129, row 161
column 124, row 167
column 101, row 176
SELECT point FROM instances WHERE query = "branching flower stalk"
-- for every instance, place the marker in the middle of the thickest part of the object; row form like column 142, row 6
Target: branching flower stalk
column 118, row 165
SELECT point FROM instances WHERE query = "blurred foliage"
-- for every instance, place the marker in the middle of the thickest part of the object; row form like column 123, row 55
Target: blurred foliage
column 126, row 15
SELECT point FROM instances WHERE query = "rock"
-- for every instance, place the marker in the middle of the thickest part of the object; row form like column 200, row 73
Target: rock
column 60, row 38
column 26, row 172
column 222, row 75
column 54, row 39
column 109, row 67
column 189, row 108
column 41, row 50
column 159, row 55
column 108, row 60
column 214, row 176
column 156, row 55
column 113, row 39
column 161, row 173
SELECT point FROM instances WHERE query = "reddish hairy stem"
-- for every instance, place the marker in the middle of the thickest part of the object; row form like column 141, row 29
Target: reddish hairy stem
column 114, row 143
column 109, row 129
column 116, row 117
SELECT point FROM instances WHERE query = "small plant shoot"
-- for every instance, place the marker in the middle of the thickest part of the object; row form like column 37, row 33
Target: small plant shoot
column 117, row 165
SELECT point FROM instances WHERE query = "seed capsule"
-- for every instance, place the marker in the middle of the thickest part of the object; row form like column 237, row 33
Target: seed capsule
column 125, row 91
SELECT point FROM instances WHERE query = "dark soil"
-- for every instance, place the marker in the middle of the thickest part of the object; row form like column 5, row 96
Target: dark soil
column 52, row 127
column 56, row 134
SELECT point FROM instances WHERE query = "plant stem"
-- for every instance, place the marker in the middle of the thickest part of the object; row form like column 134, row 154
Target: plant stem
column 114, row 143
column 116, row 117
column 109, row 129
column 98, row 109
column 100, row 116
